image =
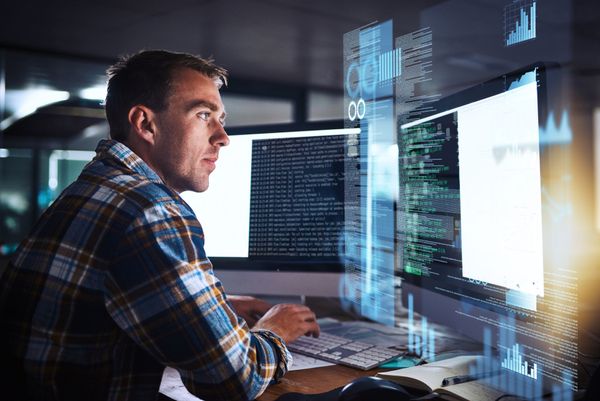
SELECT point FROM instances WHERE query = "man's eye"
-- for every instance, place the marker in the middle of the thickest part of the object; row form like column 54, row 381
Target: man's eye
column 222, row 121
column 204, row 115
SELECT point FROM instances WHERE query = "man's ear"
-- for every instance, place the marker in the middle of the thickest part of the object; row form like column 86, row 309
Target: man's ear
column 143, row 123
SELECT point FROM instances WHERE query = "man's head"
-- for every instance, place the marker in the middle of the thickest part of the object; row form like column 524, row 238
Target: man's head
column 146, row 78
column 167, row 108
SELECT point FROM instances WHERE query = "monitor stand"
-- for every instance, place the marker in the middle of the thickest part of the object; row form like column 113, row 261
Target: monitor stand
column 282, row 299
column 280, row 285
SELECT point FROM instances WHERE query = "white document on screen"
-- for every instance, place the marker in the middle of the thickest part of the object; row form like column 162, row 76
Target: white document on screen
column 500, row 191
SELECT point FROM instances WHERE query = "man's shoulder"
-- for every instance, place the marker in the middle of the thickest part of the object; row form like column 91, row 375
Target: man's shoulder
column 114, row 184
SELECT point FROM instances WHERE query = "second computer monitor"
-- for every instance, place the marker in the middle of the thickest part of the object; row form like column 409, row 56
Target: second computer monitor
column 273, row 215
column 476, row 226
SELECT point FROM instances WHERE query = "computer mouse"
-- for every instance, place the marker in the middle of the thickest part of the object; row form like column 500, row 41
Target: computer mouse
column 373, row 388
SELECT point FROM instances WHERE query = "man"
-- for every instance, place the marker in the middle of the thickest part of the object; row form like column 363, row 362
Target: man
column 113, row 284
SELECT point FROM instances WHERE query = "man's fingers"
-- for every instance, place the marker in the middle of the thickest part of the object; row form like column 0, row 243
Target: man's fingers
column 311, row 328
column 297, row 307
column 306, row 316
column 290, row 321
column 315, row 331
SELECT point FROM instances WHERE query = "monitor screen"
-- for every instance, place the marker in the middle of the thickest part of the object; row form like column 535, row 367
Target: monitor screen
column 471, row 178
column 474, row 231
column 276, row 204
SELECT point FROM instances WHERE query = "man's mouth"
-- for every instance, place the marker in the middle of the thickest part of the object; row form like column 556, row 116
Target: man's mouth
column 211, row 161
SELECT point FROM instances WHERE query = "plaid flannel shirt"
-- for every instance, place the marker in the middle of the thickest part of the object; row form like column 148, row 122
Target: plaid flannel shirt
column 113, row 285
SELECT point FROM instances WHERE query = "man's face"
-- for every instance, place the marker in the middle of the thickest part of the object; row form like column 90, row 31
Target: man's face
column 189, row 132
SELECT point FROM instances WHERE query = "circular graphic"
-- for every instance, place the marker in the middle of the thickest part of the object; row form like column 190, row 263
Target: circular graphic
column 353, row 76
column 360, row 114
column 352, row 110
column 368, row 75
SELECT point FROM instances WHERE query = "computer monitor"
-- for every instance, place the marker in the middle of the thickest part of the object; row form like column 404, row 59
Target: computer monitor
column 480, row 248
column 273, row 215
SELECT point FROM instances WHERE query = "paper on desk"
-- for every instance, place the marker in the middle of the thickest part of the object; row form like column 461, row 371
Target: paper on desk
column 172, row 386
column 306, row 362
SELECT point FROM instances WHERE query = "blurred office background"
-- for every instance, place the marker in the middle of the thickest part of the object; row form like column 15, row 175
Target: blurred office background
column 285, row 58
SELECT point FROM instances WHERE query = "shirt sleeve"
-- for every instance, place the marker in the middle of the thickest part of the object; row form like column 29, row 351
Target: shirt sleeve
column 162, row 292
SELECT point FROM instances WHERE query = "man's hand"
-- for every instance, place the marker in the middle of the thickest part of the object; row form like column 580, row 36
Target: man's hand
column 289, row 322
column 249, row 308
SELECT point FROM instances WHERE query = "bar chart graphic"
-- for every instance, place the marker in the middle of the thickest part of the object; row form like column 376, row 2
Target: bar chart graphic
column 506, row 380
column 423, row 343
column 514, row 361
column 390, row 65
column 520, row 21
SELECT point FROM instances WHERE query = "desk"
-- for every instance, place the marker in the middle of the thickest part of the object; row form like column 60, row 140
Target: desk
column 312, row 381
column 320, row 380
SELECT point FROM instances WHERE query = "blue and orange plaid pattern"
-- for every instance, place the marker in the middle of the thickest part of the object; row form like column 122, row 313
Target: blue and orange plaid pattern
column 113, row 285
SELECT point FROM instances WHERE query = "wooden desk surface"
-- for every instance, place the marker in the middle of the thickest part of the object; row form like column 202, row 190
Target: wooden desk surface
column 313, row 381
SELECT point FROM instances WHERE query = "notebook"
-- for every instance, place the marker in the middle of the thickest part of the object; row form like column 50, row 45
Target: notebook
column 429, row 378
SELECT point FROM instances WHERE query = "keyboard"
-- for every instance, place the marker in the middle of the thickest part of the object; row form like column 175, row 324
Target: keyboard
column 340, row 350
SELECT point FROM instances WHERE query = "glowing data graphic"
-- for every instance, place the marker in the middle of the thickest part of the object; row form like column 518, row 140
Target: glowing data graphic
column 371, row 65
column 520, row 21
column 507, row 380
column 553, row 133
column 423, row 344
column 390, row 65
column 514, row 361
column 486, row 367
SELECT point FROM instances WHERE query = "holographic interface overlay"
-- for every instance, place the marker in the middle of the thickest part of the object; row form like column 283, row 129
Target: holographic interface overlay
column 372, row 65
column 482, row 217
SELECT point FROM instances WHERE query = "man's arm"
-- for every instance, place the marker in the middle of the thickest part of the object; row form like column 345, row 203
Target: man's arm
column 162, row 292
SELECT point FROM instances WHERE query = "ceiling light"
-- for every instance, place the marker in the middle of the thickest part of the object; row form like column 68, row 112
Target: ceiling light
column 22, row 102
column 93, row 93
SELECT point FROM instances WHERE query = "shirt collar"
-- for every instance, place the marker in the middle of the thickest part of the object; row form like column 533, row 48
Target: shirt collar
column 109, row 148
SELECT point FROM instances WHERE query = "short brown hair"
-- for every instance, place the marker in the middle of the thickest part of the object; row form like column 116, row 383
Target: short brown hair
column 145, row 78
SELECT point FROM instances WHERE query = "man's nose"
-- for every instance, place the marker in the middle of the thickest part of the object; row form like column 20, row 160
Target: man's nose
column 220, row 137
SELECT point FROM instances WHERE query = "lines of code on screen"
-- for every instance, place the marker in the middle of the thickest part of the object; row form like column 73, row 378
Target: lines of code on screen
column 429, row 219
column 297, row 197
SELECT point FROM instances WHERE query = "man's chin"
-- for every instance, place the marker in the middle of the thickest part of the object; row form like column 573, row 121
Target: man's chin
column 189, row 184
column 200, row 187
